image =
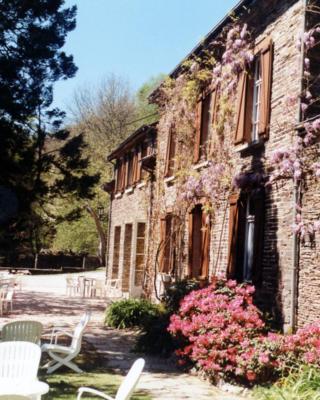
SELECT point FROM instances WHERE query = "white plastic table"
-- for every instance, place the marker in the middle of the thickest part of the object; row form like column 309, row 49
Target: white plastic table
column 33, row 389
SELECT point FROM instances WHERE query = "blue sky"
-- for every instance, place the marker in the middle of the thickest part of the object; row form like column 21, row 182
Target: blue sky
column 136, row 39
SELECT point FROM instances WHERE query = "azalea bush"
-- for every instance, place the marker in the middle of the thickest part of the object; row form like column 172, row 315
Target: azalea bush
column 218, row 324
column 225, row 336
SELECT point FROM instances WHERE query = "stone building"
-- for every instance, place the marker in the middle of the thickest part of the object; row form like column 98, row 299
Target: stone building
column 131, row 192
column 250, row 237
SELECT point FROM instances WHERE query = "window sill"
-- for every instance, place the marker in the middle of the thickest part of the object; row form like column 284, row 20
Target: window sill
column 202, row 164
column 141, row 185
column 248, row 148
column 118, row 195
column 129, row 190
column 169, row 180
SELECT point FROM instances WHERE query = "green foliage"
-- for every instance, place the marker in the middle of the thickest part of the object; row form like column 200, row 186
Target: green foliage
column 302, row 384
column 79, row 236
column 176, row 292
column 155, row 338
column 131, row 313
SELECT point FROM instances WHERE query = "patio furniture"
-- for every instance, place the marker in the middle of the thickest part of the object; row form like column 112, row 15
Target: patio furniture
column 27, row 331
column 8, row 301
column 3, row 294
column 98, row 286
column 19, row 363
column 72, row 285
column 126, row 388
column 62, row 355
column 113, row 288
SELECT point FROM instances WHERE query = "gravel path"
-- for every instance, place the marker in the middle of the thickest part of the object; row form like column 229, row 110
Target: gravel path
column 43, row 298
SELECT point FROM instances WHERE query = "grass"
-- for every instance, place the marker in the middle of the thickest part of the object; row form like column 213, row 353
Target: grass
column 301, row 385
column 65, row 386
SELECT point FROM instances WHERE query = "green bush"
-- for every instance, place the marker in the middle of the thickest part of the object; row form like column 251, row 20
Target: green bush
column 155, row 338
column 302, row 384
column 131, row 313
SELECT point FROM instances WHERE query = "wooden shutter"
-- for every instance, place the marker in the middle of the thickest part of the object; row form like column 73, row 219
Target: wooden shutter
column 196, row 153
column 135, row 167
column 171, row 149
column 205, row 245
column 244, row 109
column 259, row 214
column 266, row 74
column 139, row 165
column 233, row 234
column 163, row 225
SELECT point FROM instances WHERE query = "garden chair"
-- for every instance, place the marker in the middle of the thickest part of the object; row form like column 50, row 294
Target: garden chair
column 126, row 388
column 8, row 301
column 19, row 364
column 98, row 286
column 62, row 355
column 3, row 294
column 113, row 288
column 27, row 331
column 72, row 285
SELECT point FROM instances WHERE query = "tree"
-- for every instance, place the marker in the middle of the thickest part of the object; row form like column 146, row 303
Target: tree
column 40, row 161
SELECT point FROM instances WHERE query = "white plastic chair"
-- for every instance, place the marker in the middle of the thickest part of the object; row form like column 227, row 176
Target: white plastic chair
column 62, row 355
column 27, row 331
column 113, row 288
column 72, row 285
column 98, row 286
column 19, row 364
column 3, row 294
column 126, row 388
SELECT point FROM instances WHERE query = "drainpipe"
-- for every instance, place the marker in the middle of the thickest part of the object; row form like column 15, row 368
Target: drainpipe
column 296, row 199
column 109, row 228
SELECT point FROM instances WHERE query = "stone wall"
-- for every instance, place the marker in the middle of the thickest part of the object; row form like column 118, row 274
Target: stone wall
column 282, row 21
column 127, row 210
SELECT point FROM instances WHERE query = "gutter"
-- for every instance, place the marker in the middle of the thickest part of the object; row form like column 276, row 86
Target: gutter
column 296, row 198
column 109, row 229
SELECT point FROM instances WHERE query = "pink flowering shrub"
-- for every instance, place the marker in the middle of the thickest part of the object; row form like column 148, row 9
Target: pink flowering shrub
column 218, row 323
column 224, row 335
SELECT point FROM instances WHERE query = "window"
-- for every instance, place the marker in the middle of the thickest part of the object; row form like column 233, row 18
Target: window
column 171, row 153
column 246, row 229
column 257, row 83
column 254, row 97
column 140, row 254
column 206, row 113
column 199, row 243
column 116, row 252
column 127, row 248
column 167, row 244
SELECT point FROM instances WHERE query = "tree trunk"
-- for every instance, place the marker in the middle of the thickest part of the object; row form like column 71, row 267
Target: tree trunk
column 102, row 236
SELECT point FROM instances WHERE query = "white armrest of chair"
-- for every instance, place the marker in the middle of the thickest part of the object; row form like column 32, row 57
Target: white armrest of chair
column 56, row 332
column 92, row 391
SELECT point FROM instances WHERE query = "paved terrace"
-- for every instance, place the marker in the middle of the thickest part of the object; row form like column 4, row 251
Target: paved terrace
column 43, row 298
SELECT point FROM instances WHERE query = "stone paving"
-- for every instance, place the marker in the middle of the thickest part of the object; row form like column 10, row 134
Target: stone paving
column 43, row 298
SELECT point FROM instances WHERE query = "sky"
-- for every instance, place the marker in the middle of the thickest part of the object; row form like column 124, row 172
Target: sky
column 134, row 39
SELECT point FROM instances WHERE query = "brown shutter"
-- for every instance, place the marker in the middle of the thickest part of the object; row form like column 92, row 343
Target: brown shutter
column 233, row 234
column 196, row 153
column 266, row 73
column 244, row 109
column 163, row 226
column 205, row 244
column 171, row 149
column 259, row 213
column 139, row 165
column 134, row 167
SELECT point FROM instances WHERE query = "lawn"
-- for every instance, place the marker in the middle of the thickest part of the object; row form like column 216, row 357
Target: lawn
column 65, row 386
